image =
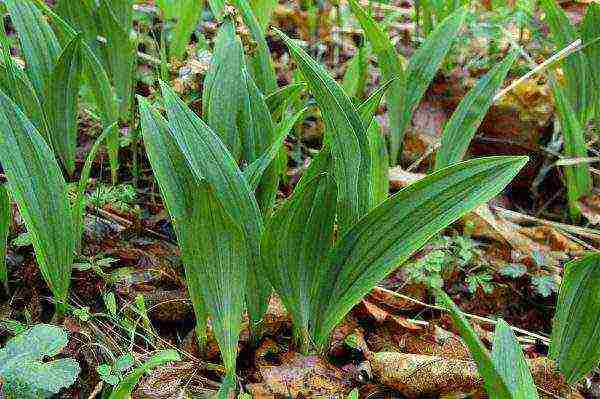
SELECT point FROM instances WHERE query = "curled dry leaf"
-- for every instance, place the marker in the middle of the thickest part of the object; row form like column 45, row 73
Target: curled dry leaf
column 417, row 375
column 301, row 376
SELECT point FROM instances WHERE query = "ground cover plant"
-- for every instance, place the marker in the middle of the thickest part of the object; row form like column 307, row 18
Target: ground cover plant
column 276, row 199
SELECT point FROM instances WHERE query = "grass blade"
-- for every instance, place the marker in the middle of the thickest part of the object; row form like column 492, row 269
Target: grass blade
column 590, row 36
column 40, row 191
column 356, row 75
column 390, row 233
column 379, row 174
column 39, row 44
column 295, row 246
column 578, row 178
column 368, row 108
column 390, row 64
column 279, row 100
column 494, row 383
column 576, row 326
column 80, row 15
column 347, row 135
column 61, row 103
column 209, row 159
column 510, row 363
column 469, row 114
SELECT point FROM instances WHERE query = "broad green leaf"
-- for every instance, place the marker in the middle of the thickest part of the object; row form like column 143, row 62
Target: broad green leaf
column 5, row 221
column 258, row 135
column 389, row 234
column 347, row 135
column 391, row 69
column 189, row 14
column 424, row 64
column 80, row 15
column 22, row 370
column 263, row 9
column 177, row 185
column 254, row 172
column 209, row 159
column 469, row 114
column 220, row 271
column 494, row 383
column 103, row 93
column 39, row 44
column 224, row 96
column 127, row 385
column 16, row 83
column 509, row 362
column 295, row 247
column 578, row 178
column 120, row 49
column 259, row 61
column 356, row 75
column 61, row 102
column 213, row 245
column 576, row 327
column 40, row 191
column 579, row 89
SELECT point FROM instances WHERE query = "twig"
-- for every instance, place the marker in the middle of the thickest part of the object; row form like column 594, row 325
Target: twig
column 482, row 319
column 126, row 223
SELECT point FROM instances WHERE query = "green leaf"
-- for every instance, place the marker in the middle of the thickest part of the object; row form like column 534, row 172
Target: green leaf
column 579, row 87
column 120, row 49
column 263, row 9
column 590, row 36
column 258, row 135
column 469, row 114
column 295, row 247
column 389, row 234
column 25, row 375
column 40, row 191
column 424, row 64
column 223, row 97
column 576, row 326
column 103, row 93
column 39, row 44
column 5, row 221
column 379, row 174
column 125, row 387
column 356, row 75
column 259, row 61
column 15, row 82
column 578, row 178
column 391, row 69
column 209, row 159
column 369, row 107
column 212, row 243
column 494, row 383
column 81, row 16
column 279, row 100
column 347, row 135
column 61, row 103
column 254, row 172
column 510, row 363
column 177, row 184
column 188, row 15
